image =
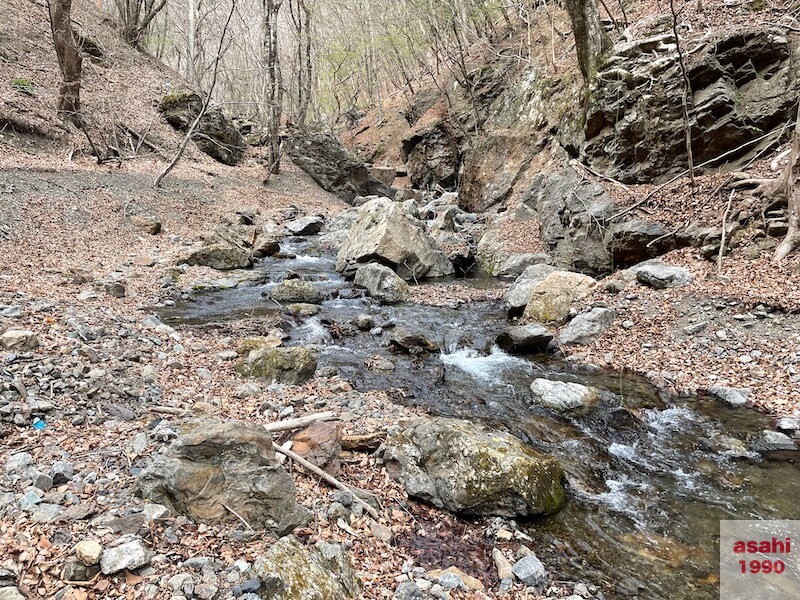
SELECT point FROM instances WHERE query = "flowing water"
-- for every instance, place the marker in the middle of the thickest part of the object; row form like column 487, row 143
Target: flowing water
column 650, row 476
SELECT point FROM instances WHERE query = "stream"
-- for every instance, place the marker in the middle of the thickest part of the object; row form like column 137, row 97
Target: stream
column 650, row 476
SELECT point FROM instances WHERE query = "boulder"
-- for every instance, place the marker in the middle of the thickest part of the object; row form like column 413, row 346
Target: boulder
column 11, row 593
column 129, row 555
column 551, row 298
column 320, row 444
column 519, row 293
column 382, row 283
column 730, row 395
column 215, row 135
column 239, row 235
column 305, row 225
column 412, row 342
column 291, row 571
column 660, row 276
column 20, row 340
column 320, row 154
column 583, row 229
column 292, row 366
column 530, row 571
column 563, row 396
column 218, row 467
column 587, row 327
column 146, row 223
column 525, row 338
column 297, row 290
column 222, row 257
column 466, row 468
column 383, row 232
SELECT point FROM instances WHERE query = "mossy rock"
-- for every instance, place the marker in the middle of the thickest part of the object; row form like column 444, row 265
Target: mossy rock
column 215, row 134
column 291, row 571
column 467, row 468
column 292, row 366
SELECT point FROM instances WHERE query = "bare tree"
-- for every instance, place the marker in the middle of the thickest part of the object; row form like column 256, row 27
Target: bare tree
column 135, row 18
column 591, row 41
column 206, row 101
column 69, row 60
column 274, row 85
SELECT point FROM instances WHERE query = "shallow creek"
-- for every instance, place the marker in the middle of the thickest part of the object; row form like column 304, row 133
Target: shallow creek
column 650, row 476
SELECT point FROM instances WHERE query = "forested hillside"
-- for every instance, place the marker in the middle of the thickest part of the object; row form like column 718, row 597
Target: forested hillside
column 338, row 299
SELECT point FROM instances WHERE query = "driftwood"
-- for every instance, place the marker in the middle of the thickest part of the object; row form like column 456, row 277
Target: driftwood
column 327, row 477
column 300, row 422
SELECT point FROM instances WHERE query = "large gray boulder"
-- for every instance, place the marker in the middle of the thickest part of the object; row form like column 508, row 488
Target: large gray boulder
column 587, row 327
column 218, row 467
column 291, row 571
column 384, row 232
column 467, row 468
column 215, row 135
column 382, row 283
column 292, row 366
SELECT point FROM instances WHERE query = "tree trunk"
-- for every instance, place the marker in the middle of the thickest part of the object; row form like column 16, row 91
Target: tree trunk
column 69, row 61
column 275, row 87
column 591, row 42
column 787, row 183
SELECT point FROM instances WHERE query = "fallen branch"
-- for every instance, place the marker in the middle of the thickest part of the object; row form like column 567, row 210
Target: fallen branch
column 327, row 477
column 169, row 410
column 300, row 422
column 724, row 232
column 238, row 516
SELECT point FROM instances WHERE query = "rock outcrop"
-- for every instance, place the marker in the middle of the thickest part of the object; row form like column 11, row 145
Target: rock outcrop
column 384, row 232
column 217, row 467
column 432, row 157
column 466, row 468
column 215, row 135
column 320, row 154
column 741, row 89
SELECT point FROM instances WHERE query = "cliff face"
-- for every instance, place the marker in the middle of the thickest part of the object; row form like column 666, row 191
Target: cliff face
column 522, row 112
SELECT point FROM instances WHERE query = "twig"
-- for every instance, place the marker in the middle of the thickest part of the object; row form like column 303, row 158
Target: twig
column 600, row 175
column 724, row 231
column 238, row 516
column 327, row 477
column 169, row 410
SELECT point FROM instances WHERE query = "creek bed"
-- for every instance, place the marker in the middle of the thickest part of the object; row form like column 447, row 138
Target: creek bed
column 650, row 476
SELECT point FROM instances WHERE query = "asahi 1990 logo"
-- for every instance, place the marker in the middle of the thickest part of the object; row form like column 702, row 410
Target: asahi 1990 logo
column 759, row 559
